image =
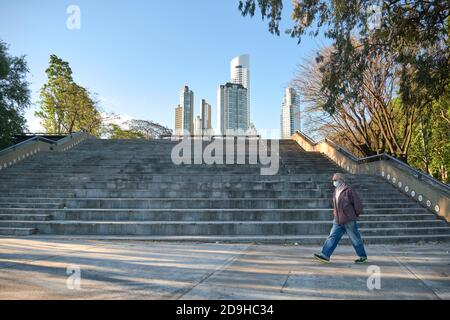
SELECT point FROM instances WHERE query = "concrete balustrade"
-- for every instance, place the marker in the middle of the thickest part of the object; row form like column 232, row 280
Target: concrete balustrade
column 21, row 151
column 427, row 191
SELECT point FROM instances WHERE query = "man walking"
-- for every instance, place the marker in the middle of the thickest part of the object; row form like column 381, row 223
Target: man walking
column 346, row 209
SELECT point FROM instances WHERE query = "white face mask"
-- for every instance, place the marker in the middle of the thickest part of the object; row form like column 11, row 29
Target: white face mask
column 337, row 183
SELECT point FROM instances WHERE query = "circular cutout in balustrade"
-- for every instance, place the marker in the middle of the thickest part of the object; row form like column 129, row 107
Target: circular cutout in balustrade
column 420, row 197
column 413, row 193
column 436, row 208
column 428, row 203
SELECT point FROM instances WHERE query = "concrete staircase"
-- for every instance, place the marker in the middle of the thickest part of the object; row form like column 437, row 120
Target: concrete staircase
column 130, row 189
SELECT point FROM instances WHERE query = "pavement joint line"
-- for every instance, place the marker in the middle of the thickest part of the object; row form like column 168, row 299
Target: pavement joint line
column 228, row 262
column 89, row 247
column 405, row 266
column 286, row 281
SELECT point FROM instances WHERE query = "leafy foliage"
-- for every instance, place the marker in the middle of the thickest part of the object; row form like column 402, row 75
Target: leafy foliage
column 414, row 32
column 138, row 129
column 67, row 107
column 373, row 124
column 430, row 150
column 14, row 95
column 411, row 121
column 114, row 131
column 149, row 129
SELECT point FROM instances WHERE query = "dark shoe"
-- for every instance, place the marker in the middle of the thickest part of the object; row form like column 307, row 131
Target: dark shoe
column 361, row 260
column 321, row 258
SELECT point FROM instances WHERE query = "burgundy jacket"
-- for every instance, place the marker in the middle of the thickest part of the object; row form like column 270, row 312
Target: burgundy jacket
column 349, row 205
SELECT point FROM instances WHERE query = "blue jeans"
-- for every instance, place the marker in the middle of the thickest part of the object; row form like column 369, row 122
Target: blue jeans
column 337, row 231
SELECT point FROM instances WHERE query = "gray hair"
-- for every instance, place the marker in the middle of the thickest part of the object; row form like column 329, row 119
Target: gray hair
column 338, row 176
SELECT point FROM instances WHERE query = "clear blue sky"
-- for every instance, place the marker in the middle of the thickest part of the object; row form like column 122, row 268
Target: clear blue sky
column 137, row 54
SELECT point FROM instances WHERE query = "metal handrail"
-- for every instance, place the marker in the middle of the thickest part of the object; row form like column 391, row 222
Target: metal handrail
column 16, row 146
column 42, row 134
column 69, row 137
column 382, row 156
column 39, row 138
column 209, row 136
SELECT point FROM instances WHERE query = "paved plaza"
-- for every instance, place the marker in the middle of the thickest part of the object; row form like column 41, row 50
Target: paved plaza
column 48, row 268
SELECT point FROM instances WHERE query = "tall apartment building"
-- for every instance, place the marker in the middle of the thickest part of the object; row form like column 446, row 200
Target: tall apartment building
column 240, row 74
column 206, row 115
column 232, row 109
column 178, row 120
column 184, row 119
column 290, row 113
column 198, row 126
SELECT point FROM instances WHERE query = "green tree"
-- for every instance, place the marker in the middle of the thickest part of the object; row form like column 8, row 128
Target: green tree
column 430, row 149
column 414, row 32
column 375, row 123
column 149, row 129
column 136, row 129
column 114, row 131
column 67, row 107
column 14, row 95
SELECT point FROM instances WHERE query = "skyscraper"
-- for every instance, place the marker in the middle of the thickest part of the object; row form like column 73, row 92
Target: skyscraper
column 186, row 113
column 198, row 127
column 178, row 120
column 232, row 109
column 206, row 115
column 240, row 74
column 290, row 113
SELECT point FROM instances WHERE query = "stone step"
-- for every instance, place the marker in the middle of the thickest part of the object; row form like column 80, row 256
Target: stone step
column 193, row 203
column 170, row 179
column 83, row 212
column 152, row 159
column 142, row 187
column 324, row 183
column 26, row 217
column 31, row 205
column 410, row 230
column 220, row 193
column 226, row 215
column 129, row 188
column 173, row 167
column 49, row 195
column 224, row 228
column 284, row 239
column 116, row 161
column 182, row 194
column 317, row 178
column 70, row 181
column 18, row 232
column 197, row 193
